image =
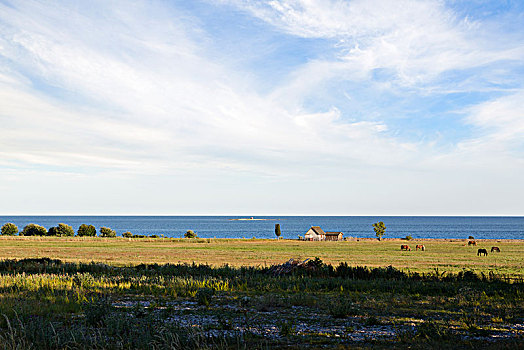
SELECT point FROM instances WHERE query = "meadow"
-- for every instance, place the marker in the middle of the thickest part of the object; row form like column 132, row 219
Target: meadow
column 445, row 255
column 95, row 293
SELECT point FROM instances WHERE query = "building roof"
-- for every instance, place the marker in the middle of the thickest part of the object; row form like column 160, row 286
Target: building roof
column 317, row 230
column 333, row 233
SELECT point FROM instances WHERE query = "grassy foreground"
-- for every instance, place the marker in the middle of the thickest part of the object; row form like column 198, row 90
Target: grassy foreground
column 142, row 294
column 444, row 255
column 48, row 304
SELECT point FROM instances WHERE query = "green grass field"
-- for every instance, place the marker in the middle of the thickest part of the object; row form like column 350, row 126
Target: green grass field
column 147, row 293
column 447, row 256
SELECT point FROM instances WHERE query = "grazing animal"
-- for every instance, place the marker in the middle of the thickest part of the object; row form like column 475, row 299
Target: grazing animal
column 495, row 249
column 405, row 247
column 482, row 251
column 472, row 243
column 420, row 246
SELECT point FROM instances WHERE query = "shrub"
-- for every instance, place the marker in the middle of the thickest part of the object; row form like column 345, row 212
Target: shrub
column 408, row 238
column 471, row 237
column 9, row 229
column 107, row 232
column 278, row 232
column 127, row 234
column 380, row 229
column 86, row 230
column 190, row 234
column 61, row 230
column 33, row 230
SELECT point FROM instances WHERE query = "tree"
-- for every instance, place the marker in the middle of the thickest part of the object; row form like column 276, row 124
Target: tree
column 61, row 230
column 380, row 229
column 127, row 234
column 86, row 231
column 190, row 234
column 277, row 230
column 9, row 229
column 33, row 230
column 53, row 231
column 107, row 232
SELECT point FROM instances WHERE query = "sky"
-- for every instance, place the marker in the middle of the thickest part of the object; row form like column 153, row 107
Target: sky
column 253, row 107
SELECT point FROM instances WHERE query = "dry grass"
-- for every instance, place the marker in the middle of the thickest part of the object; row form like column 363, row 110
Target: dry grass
column 449, row 256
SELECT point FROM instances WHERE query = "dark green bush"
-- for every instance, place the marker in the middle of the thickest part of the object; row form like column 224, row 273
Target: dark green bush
column 190, row 234
column 33, row 230
column 61, row 230
column 9, row 229
column 107, row 232
column 86, row 231
column 127, row 234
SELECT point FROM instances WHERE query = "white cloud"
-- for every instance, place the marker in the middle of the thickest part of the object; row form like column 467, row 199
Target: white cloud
column 157, row 101
column 417, row 40
column 131, row 90
column 500, row 125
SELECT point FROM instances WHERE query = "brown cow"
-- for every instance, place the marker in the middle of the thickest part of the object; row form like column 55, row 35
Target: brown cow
column 405, row 247
column 482, row 251
column 472, row 243
column 420, row 246
column 495, row 249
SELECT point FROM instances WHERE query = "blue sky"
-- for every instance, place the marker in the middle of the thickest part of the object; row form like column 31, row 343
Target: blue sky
column 246, row 107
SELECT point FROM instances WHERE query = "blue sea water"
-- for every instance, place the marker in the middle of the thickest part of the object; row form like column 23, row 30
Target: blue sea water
column 292, row 226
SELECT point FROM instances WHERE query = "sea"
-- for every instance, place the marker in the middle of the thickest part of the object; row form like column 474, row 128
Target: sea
column 447, row 227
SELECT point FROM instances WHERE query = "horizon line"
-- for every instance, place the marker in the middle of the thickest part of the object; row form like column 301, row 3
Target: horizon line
column 279, row 215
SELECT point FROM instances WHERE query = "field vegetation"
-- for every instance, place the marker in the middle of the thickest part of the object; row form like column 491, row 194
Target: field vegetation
column 444, row 255
column 48, row 304
column 134, row 293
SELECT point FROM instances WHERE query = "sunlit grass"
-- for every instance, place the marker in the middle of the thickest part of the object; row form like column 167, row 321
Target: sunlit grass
column 450, row 256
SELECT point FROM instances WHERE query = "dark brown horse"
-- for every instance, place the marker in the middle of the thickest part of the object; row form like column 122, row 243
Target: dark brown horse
column 482, row 251
column 420, row 246
column 495, row 249
column 472, row 243
column 405, row 247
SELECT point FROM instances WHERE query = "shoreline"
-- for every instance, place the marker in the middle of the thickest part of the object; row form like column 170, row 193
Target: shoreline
column 232, row 239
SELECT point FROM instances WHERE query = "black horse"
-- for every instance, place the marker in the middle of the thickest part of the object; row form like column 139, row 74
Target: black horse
column 482, row 251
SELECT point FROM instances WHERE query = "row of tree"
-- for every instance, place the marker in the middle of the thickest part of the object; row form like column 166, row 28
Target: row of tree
column 64, row 230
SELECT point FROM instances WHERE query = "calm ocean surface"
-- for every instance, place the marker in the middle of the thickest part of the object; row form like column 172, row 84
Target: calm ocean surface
column 292, row 226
